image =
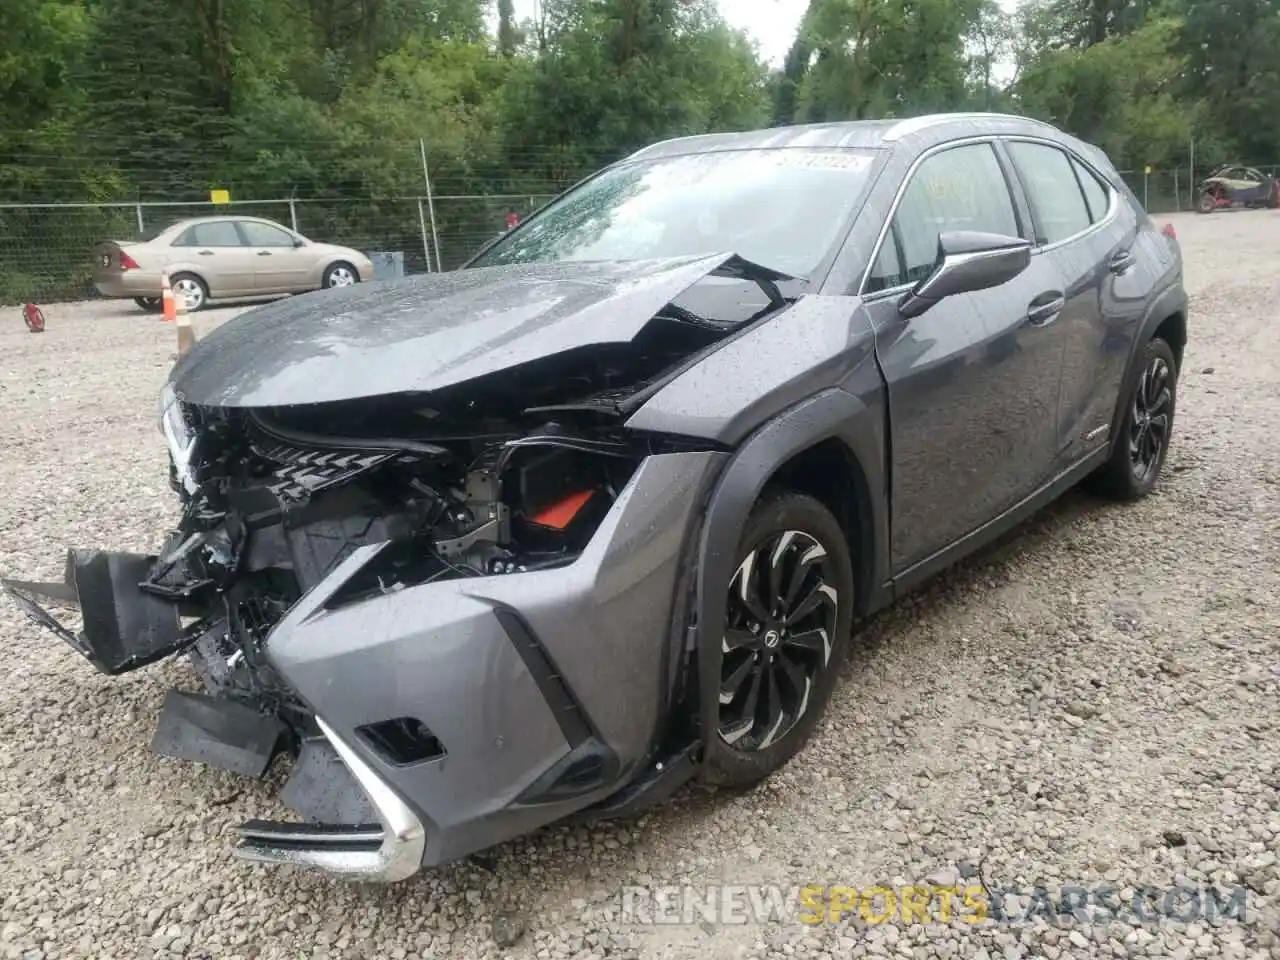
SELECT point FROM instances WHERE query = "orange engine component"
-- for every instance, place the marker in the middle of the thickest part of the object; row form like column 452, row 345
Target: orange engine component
column 560, row 515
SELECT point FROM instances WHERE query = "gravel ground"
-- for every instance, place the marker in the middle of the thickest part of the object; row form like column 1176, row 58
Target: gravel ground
column 1092, row 701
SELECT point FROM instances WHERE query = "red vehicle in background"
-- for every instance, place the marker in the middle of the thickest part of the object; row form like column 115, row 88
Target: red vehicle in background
column 1235, row 186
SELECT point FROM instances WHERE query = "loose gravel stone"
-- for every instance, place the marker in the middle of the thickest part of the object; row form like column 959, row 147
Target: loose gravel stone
column 1054, row 713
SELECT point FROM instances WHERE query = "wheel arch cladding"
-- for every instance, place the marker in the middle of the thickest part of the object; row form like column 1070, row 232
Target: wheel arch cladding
column 1166, row 319
column 1173, row 331
column 829, row 472
column 830, row 429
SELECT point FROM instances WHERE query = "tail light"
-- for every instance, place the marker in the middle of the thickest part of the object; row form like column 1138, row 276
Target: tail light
column 127, row 262
column 1169, row 232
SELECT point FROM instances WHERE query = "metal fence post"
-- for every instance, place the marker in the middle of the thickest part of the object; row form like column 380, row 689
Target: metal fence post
column 1177, row 192
column 431, row 206
column 426, row 245
column 293, row 215
column 141, row 228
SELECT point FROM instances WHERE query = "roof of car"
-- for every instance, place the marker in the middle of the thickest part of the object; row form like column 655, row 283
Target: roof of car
column 218, row 217
column 854, row 133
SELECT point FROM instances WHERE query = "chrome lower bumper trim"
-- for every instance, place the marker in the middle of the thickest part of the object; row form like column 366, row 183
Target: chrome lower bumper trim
column 392, row 853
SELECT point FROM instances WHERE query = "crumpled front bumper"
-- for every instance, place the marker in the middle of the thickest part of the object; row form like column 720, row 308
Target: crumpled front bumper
column 545, row 689
column 390, row 851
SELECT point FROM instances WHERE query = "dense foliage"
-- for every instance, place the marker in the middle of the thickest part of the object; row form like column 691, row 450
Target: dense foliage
column 123, row 100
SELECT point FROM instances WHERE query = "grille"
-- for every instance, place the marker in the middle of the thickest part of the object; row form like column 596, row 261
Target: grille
column 300, row 472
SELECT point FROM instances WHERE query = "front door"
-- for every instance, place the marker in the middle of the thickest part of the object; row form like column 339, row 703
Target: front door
column 973, row 382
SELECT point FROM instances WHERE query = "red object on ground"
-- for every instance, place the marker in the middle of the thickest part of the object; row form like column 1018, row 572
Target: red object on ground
column 33, row 317
column 513, row 220
column 1169, row 232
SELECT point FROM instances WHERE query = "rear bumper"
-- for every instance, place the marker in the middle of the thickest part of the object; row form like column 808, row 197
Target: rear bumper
column 128, row 284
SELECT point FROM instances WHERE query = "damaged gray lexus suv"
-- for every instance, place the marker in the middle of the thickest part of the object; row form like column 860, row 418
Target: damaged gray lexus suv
column 551, row 534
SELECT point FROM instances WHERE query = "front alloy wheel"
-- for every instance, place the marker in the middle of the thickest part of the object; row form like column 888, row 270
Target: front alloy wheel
column 782, row 618
column 788, row 614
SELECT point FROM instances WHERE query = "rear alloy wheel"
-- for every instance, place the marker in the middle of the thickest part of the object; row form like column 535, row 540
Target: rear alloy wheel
column 190, row 290
column 1207, row 203
column 788, row 617
column 1139, row 452
column 340, row 275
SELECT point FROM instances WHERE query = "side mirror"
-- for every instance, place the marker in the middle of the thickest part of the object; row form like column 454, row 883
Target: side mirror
column 967, row 261
column 299, row 242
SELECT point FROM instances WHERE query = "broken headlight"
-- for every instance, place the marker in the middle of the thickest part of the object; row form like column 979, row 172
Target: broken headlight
column 178, row 436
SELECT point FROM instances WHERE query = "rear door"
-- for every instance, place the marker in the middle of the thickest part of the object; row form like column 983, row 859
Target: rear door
column 973, row 382
column 1090, row 237
column 216, row 249
column 280, row 265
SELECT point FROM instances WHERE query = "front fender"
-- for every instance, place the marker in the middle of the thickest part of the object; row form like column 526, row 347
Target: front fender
column 832, row 413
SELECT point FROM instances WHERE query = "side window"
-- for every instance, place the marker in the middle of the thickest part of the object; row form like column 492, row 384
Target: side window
column 265, row 235
column 958, row 189
column 888, row 272
column 1057, row 204
column 218, row 233
column 1096, row 194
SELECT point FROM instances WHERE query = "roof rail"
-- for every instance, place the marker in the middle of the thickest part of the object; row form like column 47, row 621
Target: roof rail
column 916, row 124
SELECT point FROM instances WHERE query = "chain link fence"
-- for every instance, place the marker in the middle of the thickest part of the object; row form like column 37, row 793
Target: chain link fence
column 1176, row 190
column 46, row 249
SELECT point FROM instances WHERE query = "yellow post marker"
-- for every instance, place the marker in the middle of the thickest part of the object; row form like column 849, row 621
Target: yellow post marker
column 220, row 197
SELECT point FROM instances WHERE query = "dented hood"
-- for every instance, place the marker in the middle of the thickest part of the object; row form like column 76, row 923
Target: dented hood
column 426, row 332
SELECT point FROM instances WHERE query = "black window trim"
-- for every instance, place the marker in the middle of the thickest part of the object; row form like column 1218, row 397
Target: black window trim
column 1094, row 225
column 887, row 228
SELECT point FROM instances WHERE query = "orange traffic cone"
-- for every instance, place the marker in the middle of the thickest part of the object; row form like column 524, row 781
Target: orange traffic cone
column 170, row 304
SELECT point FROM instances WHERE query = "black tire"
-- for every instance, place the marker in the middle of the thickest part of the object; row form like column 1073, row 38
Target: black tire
column 796, row 663
column 1134, row 468
column 335, row 272
column 150, row 304
column 199, row 297
column 1207, row 203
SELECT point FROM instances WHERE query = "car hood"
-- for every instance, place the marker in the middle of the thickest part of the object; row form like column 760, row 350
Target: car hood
column 427, row 332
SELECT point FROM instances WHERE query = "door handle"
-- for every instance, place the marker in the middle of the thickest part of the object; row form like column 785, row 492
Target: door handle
column 206, row 253
column 1045, row 308
column 264, row 253
column 1121, row 262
